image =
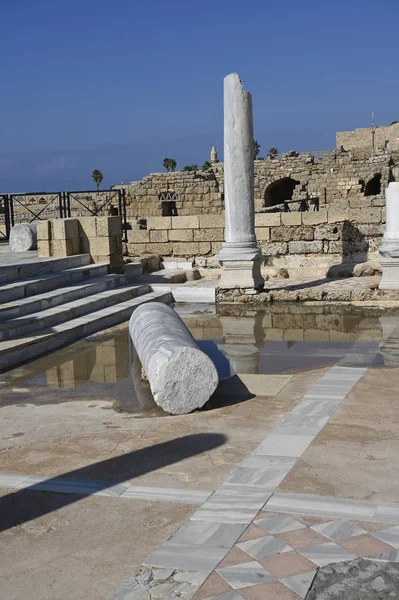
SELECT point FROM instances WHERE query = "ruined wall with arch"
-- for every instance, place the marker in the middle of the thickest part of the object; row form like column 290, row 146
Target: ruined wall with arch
column 337, row 178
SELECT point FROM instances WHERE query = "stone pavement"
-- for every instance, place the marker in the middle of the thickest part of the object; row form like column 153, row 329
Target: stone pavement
column 247, row 541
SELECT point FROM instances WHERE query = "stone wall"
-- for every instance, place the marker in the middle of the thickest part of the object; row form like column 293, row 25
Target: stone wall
column 363, row 138
column 101, row 237
column 314, row 240
column 332, row 177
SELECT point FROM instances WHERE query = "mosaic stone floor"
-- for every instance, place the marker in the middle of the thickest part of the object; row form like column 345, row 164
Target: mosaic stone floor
column 277, row 556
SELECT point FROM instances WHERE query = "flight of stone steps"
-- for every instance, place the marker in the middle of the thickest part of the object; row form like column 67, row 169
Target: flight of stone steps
column 47, row 304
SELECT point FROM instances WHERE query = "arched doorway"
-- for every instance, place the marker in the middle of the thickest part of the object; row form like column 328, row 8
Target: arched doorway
column 279, row 191
column 373, row 187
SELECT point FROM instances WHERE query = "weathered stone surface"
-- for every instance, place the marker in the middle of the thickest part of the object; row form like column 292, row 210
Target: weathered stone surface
column 182, row 378
column 289, row 234
column 23, row 237
column 367, row 269
column 356, row 580
column 305, row 247
column 240, row 256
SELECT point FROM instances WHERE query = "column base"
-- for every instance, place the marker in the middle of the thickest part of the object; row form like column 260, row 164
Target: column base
column 390, row 272
column 242, row 274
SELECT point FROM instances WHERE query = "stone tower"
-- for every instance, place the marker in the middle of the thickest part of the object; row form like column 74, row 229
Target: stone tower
column 214, row 156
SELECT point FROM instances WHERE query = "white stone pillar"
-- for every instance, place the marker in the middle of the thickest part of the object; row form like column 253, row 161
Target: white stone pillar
column 389, row 250
column 240, row 255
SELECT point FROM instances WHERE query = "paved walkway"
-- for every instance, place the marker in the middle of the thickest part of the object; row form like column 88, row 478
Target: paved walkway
column 247, row 541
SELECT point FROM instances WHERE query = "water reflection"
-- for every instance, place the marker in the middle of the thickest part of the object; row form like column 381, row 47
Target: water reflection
column 276, row 339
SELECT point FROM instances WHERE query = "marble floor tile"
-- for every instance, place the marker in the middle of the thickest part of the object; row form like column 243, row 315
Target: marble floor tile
column 287, row 564
column 364, row 545
column 187, row 557
column 232, row 595
column 279, row 524
column 386, row 512
column 263, row 547
column 338, row 530
column 11, row 481
column 212, row 534
column 235, row 557
column 326, row 554
column 390, row 556
column 252, row 532
column 302, row 538
column 244, row 575
column 389, row 535
column 167, row 494
column 309, row 504
column 300, row 584
column 284, row 445
column 310, row 413
column 213, row 586
column 223, row 515
column 277, row 463
column 268, row 478
column 268, row 591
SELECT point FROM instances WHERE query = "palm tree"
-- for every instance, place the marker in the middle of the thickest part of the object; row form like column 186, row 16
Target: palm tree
column 273, row 152
column 97, row 177
column 256, row 149
column 206, row 166
column 170, row 164
column 190, row 168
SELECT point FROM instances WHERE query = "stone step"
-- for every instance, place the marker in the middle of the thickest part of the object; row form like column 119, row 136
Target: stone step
column 32, row 304
column 43, row 319
column 34, row 268
column 50, row 281
column 17, row 351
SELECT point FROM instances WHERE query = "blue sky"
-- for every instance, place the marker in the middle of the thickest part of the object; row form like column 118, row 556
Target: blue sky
column 120, row 85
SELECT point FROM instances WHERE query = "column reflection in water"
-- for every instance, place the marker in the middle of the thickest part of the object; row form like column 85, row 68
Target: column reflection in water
column 389, row 345
column 243, row 339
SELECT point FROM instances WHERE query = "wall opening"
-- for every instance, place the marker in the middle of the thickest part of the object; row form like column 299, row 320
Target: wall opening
column 373, row 187
column 279, row 191
column 168, row 204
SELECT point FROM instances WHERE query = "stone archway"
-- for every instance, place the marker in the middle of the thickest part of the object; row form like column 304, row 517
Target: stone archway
column 373, row 186
column 279, row 191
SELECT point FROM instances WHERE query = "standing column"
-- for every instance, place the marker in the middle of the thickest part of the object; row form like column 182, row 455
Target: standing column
column 240, row 255
column 389, row 249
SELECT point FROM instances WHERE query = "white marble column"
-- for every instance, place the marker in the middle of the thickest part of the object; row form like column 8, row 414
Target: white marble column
column 389, row 250
column 240, row 255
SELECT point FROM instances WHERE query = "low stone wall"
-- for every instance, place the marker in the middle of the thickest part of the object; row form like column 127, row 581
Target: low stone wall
column 288, row 240
column 101, row 237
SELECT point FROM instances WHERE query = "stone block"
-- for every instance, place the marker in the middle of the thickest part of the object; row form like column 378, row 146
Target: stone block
column 43, row 230
column 262, row 234
column 135, row 236
column 108, row 226
column 336, row 215
column 211, row 221
column 63, row 247
column 365, row 215
column 288, row 234
column 158, row 235
column 64, row 229
column 268, row 219
column 87, row 227
column 189, row 222
column 206, row 247
column 181, row 235
column 291, row 218
column 137, row 249
column 160, row 249
column 209, row 235
column 99, row 246
column 159, row 223
column 44, row 248
column 305, row 247
column 328, row 232
column 348, row 247
column 215, row 246
column 314, row 217
column 274, row 248
column 185, row 248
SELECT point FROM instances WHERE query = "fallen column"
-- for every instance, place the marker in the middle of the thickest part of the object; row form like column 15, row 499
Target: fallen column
column 389, row 249
column 181, row 376
column 23, row 237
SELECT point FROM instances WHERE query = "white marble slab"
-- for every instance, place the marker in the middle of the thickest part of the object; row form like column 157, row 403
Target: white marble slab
column 283, row 445
column 244, row 575
column 326, row 506
column 299, row 584
column 165, row 494
column 339, row 530
column 326, row 554
column 279, row 523
column 208, row 533
column 390, row 536
column 187, row 557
